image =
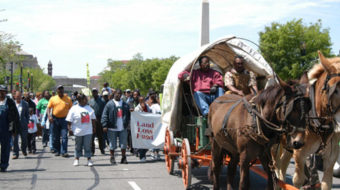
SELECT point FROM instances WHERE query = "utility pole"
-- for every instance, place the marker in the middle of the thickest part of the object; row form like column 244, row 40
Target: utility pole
column 205, row 23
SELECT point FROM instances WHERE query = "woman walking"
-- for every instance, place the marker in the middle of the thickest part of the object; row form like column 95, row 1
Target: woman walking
column 81, row 121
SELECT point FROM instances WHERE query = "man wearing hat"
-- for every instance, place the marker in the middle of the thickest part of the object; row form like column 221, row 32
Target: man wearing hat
column 106, row 97
column 98, row 105
column 9, row 124
column 60, row 104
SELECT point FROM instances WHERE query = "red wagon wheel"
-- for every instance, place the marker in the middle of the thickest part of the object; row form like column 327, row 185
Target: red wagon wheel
column 186, row 163
column 169, row 147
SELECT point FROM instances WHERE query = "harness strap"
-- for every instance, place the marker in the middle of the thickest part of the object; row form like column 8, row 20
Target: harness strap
column 315, row 119
column 227, row 115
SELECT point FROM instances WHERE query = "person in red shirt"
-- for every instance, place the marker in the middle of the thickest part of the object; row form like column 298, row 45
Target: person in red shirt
column 206, row 83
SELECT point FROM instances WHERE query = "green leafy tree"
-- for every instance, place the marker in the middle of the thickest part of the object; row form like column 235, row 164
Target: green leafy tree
column 8, row 50
column 41, row 81
column 292, row 47
column 137, row 73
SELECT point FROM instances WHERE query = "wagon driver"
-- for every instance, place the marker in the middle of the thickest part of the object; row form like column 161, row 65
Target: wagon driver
column 206, row 83
column 240, row 81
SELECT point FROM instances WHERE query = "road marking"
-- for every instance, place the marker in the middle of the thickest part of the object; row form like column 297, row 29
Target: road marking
column 134, row 185
column 125, row 169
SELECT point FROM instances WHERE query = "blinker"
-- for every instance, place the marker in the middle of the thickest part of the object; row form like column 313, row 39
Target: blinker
column 332, row 90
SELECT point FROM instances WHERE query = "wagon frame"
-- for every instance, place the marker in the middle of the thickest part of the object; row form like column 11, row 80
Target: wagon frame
column 185, row 138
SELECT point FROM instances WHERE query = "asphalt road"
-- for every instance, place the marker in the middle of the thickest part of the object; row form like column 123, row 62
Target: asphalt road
column 45, row 171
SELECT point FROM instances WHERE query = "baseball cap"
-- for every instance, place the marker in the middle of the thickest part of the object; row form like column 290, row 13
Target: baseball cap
column 94, row 89
column 60, row 86
column 128, row 90
column 105, row 93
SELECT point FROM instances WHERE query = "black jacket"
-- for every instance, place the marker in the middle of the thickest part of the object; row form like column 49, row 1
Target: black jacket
column 109, row 117
column 13, row 116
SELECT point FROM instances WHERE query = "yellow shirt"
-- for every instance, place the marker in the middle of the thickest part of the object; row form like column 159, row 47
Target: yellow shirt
column 60, row 106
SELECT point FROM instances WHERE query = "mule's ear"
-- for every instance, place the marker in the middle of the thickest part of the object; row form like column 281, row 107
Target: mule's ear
column 325, row 63
column 304, row 79
column 281, row 82
column 284, row 85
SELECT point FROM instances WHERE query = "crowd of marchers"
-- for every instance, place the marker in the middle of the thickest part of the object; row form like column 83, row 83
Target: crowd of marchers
column 103, row 117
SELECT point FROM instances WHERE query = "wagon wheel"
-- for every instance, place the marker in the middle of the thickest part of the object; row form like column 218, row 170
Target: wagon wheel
column 186, row 163
column 169, row 147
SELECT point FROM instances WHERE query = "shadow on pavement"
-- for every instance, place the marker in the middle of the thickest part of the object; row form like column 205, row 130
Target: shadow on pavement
column 26, row 170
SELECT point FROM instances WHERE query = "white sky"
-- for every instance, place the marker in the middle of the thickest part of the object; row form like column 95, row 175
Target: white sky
column 72, row 33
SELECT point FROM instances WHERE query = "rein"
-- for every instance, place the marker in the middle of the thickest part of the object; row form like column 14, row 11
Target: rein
column 287, row 109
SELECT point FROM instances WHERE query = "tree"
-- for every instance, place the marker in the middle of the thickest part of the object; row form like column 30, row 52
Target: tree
column 41, row 81
column 291, row 48
column 138, row 73
column 8, row 49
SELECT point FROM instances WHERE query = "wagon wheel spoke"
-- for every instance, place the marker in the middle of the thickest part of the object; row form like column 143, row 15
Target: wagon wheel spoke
column 169, row 147
column 186, row 169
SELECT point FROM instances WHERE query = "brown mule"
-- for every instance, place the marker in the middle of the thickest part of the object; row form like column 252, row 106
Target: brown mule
column 327, row 111
column 246, row 133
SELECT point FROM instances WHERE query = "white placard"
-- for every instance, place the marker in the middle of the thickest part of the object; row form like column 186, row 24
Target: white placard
column 146, row 130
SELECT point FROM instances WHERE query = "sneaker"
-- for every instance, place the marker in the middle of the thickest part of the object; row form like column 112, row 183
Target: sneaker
column 3, row 170
column 112, row 160
column 123, row 160
column 76, row 162
column 65, row 155
column 24, row 153
column 57, row 154
column 89, row 163
column 44, row 144
column 143, row 160
column 15, row 157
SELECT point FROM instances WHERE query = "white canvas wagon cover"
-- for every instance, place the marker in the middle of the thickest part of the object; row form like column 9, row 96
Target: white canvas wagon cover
column 221, row 53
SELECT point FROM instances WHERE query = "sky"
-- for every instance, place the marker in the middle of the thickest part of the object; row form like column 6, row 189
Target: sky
column 72, row 33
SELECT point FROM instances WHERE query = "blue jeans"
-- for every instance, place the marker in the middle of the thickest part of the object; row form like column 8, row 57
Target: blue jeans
column 23, row 131
column 112, row 136
column 51, row 137
column 5, row 139
column 142, row 153
column 83, row 141
column 203, row 100
column 60, row 129
column 45, row 134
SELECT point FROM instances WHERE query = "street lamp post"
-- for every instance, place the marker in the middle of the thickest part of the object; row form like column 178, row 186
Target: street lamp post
column 11, row 68
column 32, row 81
column 20, row 79
column 28, row 81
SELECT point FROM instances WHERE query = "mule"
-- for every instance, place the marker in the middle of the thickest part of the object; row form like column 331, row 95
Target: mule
column 326, row 107
column 245, row 136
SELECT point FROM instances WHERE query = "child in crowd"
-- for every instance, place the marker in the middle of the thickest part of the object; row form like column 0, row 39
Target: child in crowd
column 32, row 131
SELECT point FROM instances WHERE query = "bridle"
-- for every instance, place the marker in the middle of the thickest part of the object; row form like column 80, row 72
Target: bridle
column 329, row 90
column 286, row 105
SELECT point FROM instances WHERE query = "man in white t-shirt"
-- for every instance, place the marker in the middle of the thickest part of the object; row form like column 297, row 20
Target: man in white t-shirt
column 115, row 120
